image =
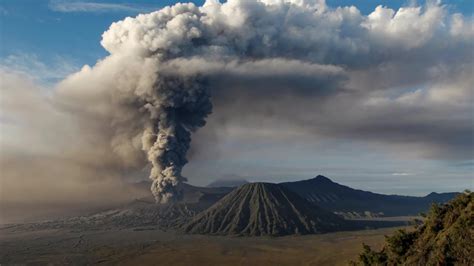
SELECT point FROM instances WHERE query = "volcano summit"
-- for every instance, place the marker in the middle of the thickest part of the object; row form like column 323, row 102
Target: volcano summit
column 259, row 209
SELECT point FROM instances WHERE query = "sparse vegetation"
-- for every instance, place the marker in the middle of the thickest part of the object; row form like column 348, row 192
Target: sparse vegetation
column 446, row 237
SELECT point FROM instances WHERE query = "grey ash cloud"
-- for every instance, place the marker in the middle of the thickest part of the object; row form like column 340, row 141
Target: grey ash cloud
column 400, row 78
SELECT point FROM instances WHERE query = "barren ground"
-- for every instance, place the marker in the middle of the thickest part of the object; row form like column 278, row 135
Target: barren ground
column 147, row 246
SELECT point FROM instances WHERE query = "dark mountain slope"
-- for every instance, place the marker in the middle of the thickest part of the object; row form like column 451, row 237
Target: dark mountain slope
column 264, row 209
column 342, row 199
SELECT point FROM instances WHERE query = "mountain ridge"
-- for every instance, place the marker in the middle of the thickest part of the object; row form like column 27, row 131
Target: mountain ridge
column 259, row 209
column 349, row 201
column 338, row 198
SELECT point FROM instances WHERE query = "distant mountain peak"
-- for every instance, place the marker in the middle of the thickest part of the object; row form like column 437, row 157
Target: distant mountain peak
column 322, row 178
column 343, row 199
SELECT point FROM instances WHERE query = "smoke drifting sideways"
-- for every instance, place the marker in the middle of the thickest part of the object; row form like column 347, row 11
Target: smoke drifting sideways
column 155, row 86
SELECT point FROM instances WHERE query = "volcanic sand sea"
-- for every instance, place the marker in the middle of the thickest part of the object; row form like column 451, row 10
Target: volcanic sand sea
column 150, row 246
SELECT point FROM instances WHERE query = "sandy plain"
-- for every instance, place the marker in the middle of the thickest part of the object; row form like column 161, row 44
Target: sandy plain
column 152, row 246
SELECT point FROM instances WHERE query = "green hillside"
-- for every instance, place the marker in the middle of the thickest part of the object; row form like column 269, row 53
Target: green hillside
column 446, row 237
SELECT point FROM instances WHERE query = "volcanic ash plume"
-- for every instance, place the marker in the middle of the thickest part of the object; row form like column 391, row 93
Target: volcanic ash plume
column 178, row 107
column 257, row 58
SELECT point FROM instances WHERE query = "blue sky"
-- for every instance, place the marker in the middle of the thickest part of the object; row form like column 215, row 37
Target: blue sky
column 43, row 29
column 50, row 39
column 58, row 31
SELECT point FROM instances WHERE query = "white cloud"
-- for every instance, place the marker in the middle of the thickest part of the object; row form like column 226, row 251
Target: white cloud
column 82, row 6
column 402, row 174
column 32, row 66
column 408, row 27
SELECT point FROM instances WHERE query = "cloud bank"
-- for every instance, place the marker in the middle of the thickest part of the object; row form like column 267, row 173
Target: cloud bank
column 398, row 78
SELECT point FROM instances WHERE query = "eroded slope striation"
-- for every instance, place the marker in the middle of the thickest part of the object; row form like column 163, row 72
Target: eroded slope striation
column 258, row 209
